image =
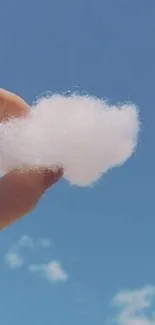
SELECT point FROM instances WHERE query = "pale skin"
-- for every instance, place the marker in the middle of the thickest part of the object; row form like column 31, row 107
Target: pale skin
column 20, row 191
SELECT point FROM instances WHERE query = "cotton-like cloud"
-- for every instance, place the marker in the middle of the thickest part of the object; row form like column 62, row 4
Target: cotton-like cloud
column 52, row 271
column 84, row 135
column 134, row 307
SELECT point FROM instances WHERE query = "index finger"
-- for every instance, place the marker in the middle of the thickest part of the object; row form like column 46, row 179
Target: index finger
column 12, row 105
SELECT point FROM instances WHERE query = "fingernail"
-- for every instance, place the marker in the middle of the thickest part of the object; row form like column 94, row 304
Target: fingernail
column 51, row 177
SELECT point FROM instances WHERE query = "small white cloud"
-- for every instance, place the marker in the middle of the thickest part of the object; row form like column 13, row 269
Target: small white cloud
column 52, row 271
column 15, row 256
column 44, row 242
column 25, row 241
column 55, row 272
column 14, row 260
column 134, row 307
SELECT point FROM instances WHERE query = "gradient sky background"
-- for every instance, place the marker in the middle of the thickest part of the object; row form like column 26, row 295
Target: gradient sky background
column 104, row 237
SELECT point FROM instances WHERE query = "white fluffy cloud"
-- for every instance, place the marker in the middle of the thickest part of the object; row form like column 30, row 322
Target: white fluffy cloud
column 82, row 134
column 52, row 271
column 134, row 307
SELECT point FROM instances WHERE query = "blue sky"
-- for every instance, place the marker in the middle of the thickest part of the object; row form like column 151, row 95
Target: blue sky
column 100, row 240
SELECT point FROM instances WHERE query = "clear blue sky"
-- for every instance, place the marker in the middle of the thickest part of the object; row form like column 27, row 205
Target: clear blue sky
column 104, row 237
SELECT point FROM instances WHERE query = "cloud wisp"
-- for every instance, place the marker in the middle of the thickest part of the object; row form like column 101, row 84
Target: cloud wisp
column 52, row 271
column 14, row 260
column 82, row 134
column 135, row 307
column 15, row 256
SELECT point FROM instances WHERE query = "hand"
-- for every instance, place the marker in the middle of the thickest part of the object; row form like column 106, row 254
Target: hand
column 20, row 191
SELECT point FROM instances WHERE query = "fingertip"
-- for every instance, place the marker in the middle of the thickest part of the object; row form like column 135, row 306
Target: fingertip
column 51, row 177
column 11, row 105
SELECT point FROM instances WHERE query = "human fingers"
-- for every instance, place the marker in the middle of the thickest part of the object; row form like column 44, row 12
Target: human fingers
column 12, row 105
column 20, row 191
